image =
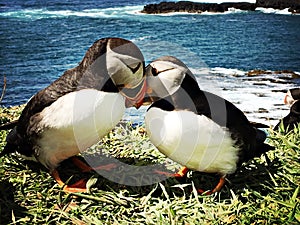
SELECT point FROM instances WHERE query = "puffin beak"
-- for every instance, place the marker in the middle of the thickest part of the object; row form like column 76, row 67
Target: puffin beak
column 137, row 101
column 285, row 99
column 149, row 97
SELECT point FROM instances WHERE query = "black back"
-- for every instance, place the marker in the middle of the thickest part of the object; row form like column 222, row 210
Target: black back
column 292, row 119
column 295, row 92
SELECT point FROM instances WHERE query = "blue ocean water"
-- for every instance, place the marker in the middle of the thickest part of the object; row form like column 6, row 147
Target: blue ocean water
column 39, row 40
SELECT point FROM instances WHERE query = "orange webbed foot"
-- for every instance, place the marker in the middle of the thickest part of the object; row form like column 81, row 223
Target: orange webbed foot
column 216, row 189
column 79, row 186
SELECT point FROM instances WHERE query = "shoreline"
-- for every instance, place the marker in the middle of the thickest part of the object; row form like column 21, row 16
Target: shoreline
column 198, row 7
column 258, row 93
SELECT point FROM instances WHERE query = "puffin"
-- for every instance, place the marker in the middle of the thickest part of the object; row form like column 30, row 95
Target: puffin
column 292, row 99
column 80, row 107
column 195, row 128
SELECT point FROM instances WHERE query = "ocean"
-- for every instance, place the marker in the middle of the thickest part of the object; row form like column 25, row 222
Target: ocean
column 39, row 40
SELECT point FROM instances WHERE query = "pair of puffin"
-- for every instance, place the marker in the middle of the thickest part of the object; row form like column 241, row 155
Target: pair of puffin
column 80, row 107
column 292, row 99
column 196, row 128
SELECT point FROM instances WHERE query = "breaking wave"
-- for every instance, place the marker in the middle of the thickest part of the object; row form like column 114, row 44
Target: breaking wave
column 113, row 12
column 34, row 14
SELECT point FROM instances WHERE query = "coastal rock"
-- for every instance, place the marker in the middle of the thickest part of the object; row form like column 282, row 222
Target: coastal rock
column 286, row 74
column 257, row 72
column 196, row 7
column 292, row 5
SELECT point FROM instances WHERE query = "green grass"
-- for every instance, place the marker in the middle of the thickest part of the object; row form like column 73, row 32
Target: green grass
column 259, row 193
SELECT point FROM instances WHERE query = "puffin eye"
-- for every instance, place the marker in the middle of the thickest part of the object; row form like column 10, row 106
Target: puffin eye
column 154, row 71
column 134, row 68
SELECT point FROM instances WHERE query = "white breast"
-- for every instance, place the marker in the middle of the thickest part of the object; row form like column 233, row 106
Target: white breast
column 192, row 140
column 75, row 122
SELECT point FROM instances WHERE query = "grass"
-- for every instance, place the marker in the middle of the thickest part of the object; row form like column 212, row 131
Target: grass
column 259, row 193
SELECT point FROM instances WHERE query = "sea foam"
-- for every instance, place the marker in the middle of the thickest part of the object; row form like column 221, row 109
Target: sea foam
column 274, row 11
column 34, row 14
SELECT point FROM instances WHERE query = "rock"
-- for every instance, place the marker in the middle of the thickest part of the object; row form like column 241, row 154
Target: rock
column 289, row 74
column 292, row 5
column 292, row 74
column 196, row 7
column 262, row 110
column 257, row 72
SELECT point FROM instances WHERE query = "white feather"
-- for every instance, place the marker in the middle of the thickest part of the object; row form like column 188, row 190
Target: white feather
column 192, row 140
column 75, row 122
column 118, row 64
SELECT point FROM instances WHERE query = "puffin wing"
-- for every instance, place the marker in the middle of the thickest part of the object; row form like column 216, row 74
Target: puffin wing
column 63, row 85
column 258, row 125
column 81, row 77
column 243, row 132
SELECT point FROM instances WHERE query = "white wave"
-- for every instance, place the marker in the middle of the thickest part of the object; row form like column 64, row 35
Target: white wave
column 273, row 11
column 230, row 11
column 115, row 12
column 142, row 38
column 227, row 72
column 93, row 13
column 260, row 99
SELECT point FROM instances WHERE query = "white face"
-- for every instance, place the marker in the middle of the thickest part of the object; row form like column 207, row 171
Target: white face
column 125, row 71
column 165, row 77
column 288, row 99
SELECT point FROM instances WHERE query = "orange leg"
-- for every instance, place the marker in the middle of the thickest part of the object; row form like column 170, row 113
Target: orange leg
column 79, row 186
column 181, row 173
column 86, row 168
column 216, row 189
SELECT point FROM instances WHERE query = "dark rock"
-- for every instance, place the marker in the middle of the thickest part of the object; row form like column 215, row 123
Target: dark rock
column 292, row 74
column 196, row 7
column 292, row 5
column 257, row 72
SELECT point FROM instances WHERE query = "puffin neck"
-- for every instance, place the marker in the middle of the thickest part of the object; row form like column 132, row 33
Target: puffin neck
column 185, row 97
column 295, row 109
column 295, row 93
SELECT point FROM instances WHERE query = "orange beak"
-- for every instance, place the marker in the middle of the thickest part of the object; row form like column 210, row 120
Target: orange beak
column 137, row 101
column 285, row 99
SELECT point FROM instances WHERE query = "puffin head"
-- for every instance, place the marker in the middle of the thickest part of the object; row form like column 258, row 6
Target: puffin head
column 164, row 77
column 291, row 96
column 126, row 67
column 116, row 64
